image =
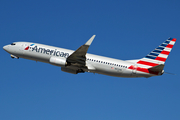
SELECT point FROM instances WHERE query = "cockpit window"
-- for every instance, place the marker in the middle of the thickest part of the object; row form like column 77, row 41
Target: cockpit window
column 13, row 44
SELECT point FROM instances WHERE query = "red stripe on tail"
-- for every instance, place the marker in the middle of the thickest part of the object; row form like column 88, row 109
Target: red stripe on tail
column 174, row 39
column 160, row 59
column 169, row 46
column 147, row 63
column 165, row 52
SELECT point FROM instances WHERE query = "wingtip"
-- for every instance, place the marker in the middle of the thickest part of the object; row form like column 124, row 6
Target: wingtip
column 90, row 40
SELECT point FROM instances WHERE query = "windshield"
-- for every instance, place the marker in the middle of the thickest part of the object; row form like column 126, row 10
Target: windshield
column 13, row 44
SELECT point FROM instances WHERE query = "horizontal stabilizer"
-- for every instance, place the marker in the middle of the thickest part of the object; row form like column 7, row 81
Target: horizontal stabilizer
column 158, row 68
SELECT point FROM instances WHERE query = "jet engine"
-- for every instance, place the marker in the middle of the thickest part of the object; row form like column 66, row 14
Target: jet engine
column 58, row 61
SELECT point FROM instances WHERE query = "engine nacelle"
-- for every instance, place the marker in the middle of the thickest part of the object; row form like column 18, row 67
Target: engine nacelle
column 13, row 56
column 58, row 61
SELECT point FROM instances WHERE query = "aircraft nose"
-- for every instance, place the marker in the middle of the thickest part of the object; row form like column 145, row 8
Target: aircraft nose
column 5, row 47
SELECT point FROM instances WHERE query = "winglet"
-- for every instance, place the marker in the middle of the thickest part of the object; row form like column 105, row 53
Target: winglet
column 90, row 40
column 79, row 56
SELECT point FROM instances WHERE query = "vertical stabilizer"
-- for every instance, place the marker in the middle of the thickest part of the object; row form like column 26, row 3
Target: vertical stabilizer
column 158, row 56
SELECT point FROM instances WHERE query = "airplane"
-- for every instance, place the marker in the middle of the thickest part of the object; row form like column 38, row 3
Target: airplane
column 79, row 61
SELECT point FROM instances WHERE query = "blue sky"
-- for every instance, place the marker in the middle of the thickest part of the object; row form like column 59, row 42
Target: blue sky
column 124, row 29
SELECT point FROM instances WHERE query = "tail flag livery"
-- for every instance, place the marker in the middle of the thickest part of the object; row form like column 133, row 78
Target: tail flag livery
column 153, row 63
column 157, row 56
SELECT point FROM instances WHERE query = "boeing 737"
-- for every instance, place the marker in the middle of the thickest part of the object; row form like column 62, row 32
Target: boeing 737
column 79, row 61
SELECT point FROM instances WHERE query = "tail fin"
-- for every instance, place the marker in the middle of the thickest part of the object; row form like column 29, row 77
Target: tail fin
column 158, row 56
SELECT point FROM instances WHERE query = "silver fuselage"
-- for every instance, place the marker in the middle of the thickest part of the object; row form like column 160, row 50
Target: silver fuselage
column 94, row 63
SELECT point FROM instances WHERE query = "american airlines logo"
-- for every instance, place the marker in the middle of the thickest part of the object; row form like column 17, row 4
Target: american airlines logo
column 54, row 52
column 27, row 48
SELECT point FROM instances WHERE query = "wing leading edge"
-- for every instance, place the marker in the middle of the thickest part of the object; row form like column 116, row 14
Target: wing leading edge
column 78, row 57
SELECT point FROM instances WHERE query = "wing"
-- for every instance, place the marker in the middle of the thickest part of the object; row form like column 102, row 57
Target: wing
column 78, row 57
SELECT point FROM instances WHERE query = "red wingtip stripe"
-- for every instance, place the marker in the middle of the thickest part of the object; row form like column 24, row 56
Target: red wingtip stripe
column 147, row 63
column 160, row 59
